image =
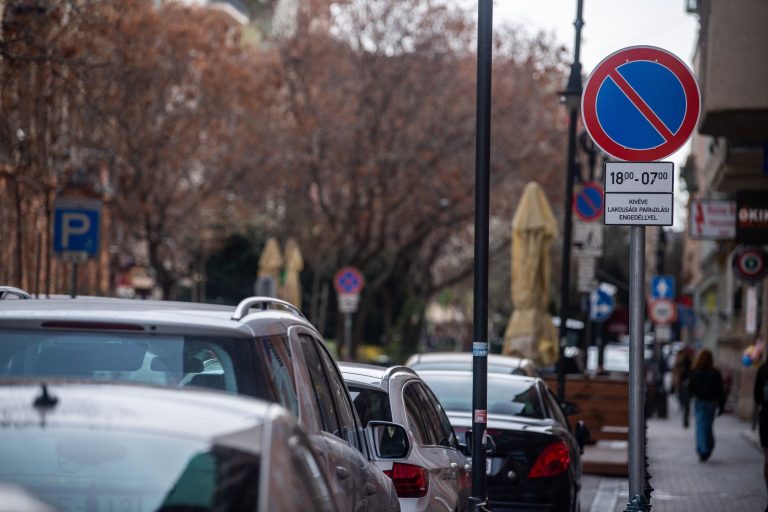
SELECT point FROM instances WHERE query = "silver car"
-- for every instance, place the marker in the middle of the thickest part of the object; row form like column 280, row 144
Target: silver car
column 435, row 475
column 463, row 361
column 70, row 446
column 264, row 347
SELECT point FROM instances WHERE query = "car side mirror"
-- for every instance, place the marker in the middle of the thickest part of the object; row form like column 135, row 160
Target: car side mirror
column 389, row 440
column 490, row 445
column 570, row 408
column 466, row 448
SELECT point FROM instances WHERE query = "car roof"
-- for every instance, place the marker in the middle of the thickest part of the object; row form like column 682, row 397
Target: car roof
column 459, row 357
column 153, row 316
column 199, row 415
column 468, row 373
column 378, row 376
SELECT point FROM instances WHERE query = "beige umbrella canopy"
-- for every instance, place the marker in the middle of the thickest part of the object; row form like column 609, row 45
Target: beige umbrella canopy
column 270, row 263
column 530, row 332
column 294, row 264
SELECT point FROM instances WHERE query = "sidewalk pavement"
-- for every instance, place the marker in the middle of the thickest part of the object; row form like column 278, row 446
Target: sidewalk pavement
column 731, row 480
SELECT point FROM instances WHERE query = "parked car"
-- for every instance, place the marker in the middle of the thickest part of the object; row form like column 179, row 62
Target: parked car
column 435, row 475
column 264, row 348
column 463, row 361
column 536, row 464
column 100, row 447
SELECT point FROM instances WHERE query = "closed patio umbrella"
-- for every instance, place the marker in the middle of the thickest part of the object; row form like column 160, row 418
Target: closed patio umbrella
column 530, row 332
column 294, row 264
column 270, row 263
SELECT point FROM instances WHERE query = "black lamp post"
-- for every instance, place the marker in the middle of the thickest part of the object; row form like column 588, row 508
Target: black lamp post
column 571, row 97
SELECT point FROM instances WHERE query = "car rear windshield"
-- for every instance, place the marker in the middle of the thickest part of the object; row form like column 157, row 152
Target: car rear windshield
column 505, row 396
column 461, row 366
column 224, row 364
column 74, row 470
column 371, row 404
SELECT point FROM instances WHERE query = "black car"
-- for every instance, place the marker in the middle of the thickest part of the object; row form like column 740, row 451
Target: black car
column 536, row 464
column 264, row 348
column 73, row 446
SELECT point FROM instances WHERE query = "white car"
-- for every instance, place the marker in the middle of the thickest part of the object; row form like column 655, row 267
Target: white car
column 435, row 475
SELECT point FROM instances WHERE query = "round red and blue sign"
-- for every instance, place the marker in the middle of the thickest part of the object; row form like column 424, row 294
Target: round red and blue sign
column 349, row 280
column 588, row 202
column 750, row 263
column 641, row 104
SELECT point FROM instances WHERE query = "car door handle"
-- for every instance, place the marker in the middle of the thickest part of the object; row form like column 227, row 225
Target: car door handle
column 342, row 472
column 370, row 489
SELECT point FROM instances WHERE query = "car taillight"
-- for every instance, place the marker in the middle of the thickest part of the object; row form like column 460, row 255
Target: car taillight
column 410, row 481
column 553, row 461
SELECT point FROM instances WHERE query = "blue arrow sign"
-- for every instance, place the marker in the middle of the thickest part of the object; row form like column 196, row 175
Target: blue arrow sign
column 663, row 287
column 601, row 305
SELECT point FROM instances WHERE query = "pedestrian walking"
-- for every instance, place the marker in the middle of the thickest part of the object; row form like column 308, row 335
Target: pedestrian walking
column 705, row 386
column 761, row 402
column 681, row 370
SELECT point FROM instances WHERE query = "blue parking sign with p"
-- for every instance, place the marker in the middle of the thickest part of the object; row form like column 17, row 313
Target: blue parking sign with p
column 76, row 226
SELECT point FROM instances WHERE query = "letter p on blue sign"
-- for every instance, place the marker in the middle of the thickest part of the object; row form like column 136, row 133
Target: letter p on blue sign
column 76, row 225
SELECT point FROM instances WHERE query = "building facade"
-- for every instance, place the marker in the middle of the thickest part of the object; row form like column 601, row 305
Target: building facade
column 728, row 163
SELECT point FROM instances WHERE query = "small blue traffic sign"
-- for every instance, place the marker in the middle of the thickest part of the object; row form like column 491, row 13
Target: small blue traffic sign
column 349, row 280
column 663, row 287
column 588, row 202
column 641, row 104
column 601, row 305
column 76, row 226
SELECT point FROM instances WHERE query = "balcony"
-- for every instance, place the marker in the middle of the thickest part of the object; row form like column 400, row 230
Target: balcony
column 733, row 68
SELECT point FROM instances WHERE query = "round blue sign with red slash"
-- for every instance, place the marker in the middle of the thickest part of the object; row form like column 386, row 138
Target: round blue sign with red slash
column 349, row 280
column 588, row 202
column 640, row 104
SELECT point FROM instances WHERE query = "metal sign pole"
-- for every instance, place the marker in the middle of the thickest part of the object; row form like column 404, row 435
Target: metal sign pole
column 348, row 337
column 482, row 200
column 636, row 360
column 73, row 290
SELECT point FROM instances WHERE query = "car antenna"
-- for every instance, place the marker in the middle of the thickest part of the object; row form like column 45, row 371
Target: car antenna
column 45, row 400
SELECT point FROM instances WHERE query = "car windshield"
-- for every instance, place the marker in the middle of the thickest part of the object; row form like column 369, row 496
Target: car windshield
column 106, row 470
column 169, row 360
column 371, row 404
column 505, row 396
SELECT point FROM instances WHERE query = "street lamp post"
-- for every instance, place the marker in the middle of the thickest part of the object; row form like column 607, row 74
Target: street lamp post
column 571, row 97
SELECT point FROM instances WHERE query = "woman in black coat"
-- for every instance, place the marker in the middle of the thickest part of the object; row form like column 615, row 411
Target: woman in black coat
column 761, row 401
column 705, row 386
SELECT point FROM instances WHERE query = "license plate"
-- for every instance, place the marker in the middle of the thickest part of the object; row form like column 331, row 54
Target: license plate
column 488, row 465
